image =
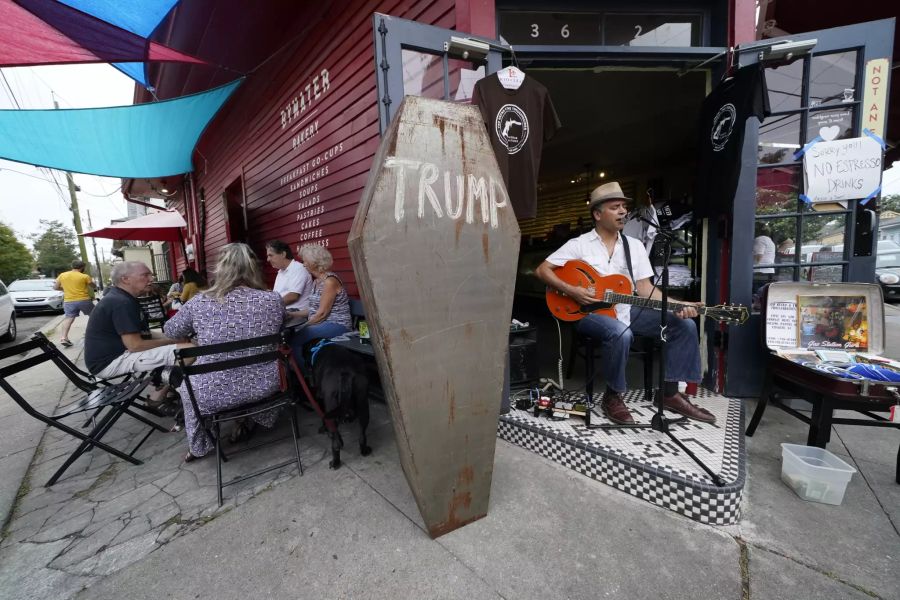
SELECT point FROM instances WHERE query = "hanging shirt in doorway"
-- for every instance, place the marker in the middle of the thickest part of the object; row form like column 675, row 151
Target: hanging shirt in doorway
column 722, row 119
column 519, row 122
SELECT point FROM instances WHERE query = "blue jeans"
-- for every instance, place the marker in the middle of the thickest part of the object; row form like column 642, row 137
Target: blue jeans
column 682, row 348
column 309, row 333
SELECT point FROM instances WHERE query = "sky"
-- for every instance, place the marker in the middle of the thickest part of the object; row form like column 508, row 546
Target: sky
column 27, row 194
column 890, row 180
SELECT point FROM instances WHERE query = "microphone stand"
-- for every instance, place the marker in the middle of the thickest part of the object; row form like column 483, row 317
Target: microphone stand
column 660, row 422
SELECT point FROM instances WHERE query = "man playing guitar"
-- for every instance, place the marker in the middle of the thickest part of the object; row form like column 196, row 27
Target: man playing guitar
column 605, row 248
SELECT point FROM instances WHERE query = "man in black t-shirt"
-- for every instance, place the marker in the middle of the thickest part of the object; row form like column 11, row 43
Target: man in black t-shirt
column 114, row 342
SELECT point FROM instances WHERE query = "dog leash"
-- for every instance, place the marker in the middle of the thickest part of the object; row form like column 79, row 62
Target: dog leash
column 330, row 425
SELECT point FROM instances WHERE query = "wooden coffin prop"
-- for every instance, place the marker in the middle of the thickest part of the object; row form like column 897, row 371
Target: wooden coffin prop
column 434, row 247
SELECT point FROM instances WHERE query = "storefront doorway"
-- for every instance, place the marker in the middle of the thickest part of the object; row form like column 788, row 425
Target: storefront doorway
column 629, row 114
column 636, row 125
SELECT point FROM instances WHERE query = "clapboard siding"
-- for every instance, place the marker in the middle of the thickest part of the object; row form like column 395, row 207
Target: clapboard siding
column 307, row 194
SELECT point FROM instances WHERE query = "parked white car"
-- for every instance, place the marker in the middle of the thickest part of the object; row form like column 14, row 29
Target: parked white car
column 35, row 294
column 7, row 316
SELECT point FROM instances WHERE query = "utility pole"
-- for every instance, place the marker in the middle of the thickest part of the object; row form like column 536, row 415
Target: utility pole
column 76, row 216
column 96, row 260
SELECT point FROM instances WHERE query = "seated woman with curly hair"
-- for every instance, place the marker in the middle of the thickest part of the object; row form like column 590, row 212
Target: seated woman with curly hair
column 238, row 306
column 329, row 304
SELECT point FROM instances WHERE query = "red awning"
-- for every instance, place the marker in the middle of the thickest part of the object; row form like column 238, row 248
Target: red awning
column 157, row 227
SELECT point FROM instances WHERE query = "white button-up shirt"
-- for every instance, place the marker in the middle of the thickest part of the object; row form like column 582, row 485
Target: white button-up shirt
column 294, row 278
column 591, row 249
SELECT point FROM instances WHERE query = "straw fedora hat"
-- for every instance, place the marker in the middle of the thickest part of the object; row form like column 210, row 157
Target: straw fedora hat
column 606, row 192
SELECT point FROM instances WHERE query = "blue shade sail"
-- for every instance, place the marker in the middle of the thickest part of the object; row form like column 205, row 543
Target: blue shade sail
column 141, row 17
column 135, row 70
column 137, row 16
column 144, row 140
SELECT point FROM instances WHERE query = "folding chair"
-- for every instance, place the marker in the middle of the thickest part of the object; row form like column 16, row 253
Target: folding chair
column 118, row 398
column 260, row 350
column 84, row 380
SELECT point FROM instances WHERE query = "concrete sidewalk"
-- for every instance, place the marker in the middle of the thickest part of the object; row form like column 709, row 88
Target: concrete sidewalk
column 112, row 530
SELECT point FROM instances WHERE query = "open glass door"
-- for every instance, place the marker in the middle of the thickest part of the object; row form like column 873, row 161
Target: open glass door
column 413, row 59
column 837, row 90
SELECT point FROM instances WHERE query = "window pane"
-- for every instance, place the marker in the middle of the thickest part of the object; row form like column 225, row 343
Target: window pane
column 823, row 238
column 423, row 75
column 830, row 124
column 774, row 242
column 527, row 27
column 828, row 273
column 651, row 30
column 785, row 85
column 779, row 138
column 832, row 79
column 777, row 189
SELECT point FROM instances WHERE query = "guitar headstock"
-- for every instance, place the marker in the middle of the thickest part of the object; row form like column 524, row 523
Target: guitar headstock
column 733, row 314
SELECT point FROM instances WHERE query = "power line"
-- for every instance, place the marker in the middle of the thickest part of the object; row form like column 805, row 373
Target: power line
column 9, row 87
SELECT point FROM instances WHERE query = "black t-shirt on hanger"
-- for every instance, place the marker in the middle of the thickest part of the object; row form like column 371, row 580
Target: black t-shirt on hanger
column 519, row 122
column 722, row 119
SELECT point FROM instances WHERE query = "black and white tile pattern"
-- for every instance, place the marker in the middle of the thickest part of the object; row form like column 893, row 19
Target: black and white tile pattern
column 646, row 463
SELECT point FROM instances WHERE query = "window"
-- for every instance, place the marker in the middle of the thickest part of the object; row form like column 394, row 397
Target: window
column 811, row 98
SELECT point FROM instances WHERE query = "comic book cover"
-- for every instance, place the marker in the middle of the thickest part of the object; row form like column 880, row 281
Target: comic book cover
column 839, row 322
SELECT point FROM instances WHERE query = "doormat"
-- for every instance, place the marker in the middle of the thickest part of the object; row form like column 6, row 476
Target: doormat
column 646, row 463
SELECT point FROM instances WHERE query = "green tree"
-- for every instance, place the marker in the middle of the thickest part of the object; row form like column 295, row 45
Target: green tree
column 15, row 259
column 891, row 202
column 54, row 249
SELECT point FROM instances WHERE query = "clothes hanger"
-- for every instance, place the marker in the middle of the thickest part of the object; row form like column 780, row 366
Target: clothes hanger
column 511, row 77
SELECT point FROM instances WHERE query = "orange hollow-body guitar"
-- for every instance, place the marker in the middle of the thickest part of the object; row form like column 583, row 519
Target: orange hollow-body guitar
column 617, row 289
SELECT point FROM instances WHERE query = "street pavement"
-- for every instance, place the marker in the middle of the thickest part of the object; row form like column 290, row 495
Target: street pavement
column 27, row 324
column 112, row 530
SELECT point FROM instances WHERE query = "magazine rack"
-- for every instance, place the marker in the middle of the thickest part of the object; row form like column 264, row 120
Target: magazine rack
column 818, row 315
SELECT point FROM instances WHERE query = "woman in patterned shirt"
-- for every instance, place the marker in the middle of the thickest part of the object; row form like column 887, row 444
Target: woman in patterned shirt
column 329, row 305
column 238, row 306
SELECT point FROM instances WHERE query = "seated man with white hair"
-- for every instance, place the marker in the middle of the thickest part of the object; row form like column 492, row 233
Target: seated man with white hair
column 117, row 340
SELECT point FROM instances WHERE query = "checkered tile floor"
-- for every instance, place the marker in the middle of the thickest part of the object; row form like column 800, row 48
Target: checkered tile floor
column 644, row 462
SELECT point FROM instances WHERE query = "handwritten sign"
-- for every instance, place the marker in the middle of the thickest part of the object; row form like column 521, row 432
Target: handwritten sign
column 842, row 169
column 781, row 325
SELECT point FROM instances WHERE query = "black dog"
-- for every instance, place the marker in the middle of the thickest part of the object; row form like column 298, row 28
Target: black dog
column 342, row 390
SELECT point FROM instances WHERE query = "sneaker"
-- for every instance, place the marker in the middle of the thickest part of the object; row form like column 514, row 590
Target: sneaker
column 613, row 406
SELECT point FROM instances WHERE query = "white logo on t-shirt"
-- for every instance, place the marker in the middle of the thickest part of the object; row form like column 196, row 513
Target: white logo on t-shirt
column 722, row 126
column 512, row 127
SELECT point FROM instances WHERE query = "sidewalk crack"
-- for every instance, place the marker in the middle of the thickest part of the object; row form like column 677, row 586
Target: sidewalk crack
column 819, row 570
column 744, row 565
column 868, row 484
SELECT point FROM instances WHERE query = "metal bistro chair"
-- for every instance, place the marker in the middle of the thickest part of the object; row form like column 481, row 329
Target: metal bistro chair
column 87, row 382
column 267, row 349
column 117, row 398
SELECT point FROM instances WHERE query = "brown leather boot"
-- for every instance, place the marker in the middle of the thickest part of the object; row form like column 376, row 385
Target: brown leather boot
column 683, row 406
column 614, row 408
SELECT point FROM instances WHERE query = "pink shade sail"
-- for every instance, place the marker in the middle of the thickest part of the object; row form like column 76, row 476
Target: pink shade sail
column 47, row 32
column 163, row 226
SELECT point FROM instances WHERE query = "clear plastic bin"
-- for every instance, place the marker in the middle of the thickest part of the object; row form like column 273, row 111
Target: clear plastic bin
column 815, row 473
